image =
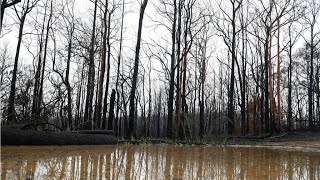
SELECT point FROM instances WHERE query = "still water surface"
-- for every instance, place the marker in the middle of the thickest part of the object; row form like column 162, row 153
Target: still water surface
column 156, row 162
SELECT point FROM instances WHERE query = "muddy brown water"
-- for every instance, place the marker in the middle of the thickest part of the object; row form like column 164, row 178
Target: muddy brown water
column 156, row 162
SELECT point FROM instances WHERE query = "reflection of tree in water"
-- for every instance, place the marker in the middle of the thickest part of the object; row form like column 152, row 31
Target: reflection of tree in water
column 164, row 162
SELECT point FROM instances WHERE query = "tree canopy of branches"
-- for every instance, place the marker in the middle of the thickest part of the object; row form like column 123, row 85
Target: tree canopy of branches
column 185, row 69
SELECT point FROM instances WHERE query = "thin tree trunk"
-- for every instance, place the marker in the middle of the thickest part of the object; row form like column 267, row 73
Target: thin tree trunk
column 104, row 118
column 178, row 91
column 290, row 83
column 310, row 89
column 172, row 71
column 102, row 66
column 11, row 109
column 278, row 81
column 43, row 65
column 135, row 73
column 111, row 111
column 118, row 67
column 90, row 85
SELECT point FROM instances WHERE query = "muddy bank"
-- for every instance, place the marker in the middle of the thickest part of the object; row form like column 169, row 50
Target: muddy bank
column 13, row 136
column 308, row 141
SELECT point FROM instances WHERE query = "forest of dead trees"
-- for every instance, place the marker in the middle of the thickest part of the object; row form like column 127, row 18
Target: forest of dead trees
column 186, row 69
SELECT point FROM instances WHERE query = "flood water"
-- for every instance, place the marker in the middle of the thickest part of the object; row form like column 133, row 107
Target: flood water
column 156, row 162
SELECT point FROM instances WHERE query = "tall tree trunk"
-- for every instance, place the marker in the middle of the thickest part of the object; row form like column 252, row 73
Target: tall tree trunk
column 11, row 110
column 232, row 75
column 172, row 71
column 178, row 90
column 135, row 72
column 244, row 124
column 35, row 101
column 38, row 112
column 290, row 83
column 104, row 118
column 68, row 86
column 278, row 78
column 318, row 90
column 271, row 96
column 118, row 68
column 90, row 84
column 266, row 82
column 203, row 78
column 102, row 66
column 310, row 88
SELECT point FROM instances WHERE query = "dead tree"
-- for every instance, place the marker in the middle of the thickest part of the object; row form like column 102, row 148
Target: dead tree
column 135, row 73
column 102, row 66
column 314, row 10
column 5, row 4
column 172, row 72
column 104, row 118
column 91, row 72
column 28, row 5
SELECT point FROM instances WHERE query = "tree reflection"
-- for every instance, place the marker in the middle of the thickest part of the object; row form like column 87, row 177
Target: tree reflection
column 160, row 162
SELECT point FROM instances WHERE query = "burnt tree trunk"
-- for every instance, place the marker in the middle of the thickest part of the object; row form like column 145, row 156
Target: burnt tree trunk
column 102, row 66
column 119, row 125
column 90, row 84
column 111, row 111
column 172, row 71
column 135, row 72
column 11, row 110
column 104, row 118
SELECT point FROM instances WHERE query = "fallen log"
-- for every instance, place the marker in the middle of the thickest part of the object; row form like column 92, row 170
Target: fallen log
column 11, row 136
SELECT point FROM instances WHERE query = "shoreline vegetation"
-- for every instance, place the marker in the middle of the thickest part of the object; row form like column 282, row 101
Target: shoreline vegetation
column 303, row 140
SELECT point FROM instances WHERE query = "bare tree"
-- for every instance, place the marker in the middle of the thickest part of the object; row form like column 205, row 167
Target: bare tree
column 91, row 72
column 313, row 13
column 135, row 73
column 5, row 4
column 27, row 6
